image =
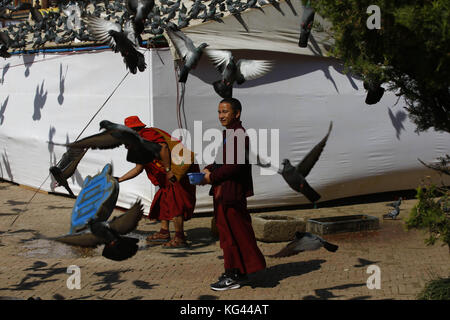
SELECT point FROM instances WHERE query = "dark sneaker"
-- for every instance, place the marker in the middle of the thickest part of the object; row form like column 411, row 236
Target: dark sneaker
column 225, row 283
column 241, row 278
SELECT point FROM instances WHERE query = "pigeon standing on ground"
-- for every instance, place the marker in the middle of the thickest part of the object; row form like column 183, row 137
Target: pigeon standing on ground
column 304, row 241
column 66, row 167
column 395, row 204
column 114, row 135
column 186, row 50
column 296, row 176
column 231, row 71
column 123, row 41
column 392, row 214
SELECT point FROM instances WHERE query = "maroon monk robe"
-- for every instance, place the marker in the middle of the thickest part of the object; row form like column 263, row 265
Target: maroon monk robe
column 231, row 185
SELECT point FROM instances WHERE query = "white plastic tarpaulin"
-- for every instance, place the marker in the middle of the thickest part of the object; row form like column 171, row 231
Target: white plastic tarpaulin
column 52, row 97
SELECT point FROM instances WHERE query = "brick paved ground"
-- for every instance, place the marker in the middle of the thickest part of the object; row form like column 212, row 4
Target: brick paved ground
column 33, row 266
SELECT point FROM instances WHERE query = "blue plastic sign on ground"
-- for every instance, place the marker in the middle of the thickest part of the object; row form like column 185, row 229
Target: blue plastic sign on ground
column 96, row 200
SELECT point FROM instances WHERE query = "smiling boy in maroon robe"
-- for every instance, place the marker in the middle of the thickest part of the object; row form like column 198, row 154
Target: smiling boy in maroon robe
column 231, row 185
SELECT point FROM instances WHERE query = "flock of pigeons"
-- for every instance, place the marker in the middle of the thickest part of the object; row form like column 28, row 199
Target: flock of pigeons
column 148, row 18
column 121, row 24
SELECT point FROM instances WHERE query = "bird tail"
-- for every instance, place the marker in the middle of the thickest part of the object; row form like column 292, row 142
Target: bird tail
column 309, row 192
column 141, row 62
column 135, row 60
column 121, row 249
column 330, row 247
column 184, row 74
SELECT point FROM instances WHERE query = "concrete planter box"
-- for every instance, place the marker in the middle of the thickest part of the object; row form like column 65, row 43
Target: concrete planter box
column 276, row 228
column 340, row 224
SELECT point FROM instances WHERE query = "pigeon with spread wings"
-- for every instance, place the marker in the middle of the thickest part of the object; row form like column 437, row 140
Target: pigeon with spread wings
column 117, row 247
column 304, row 241
column 186, row 50
column 66, row 167
column 120, row 40
column 114, row 135
column 233, row 71
column 296, row 176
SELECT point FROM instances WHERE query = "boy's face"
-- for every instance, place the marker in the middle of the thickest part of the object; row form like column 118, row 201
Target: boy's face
column 226, row 114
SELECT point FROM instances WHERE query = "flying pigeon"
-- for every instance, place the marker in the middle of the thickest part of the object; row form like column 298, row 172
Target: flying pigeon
column 4, row 44
column 117, row 247
column 231, row 71
column 123, row 41
column 296, row 176
column 139, row 9
column 392, row 214
column 186, row 50
column 395, row 204
column 374, row 91
column 114, row 135
column 306, row 23
column 304, row 241
column 66, row 167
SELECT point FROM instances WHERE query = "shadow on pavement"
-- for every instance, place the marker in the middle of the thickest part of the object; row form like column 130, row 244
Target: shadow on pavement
column 207, row 297
column 324, row 294
column 110, row 278
column 272, row 276
column 144, row 285
column 39, row 271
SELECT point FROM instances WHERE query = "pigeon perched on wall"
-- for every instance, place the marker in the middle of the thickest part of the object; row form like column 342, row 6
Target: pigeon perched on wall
column 139, row 9
column 392, row 214
column 123, row 41
column 66, row 167
column 233, row 71
column 296, row 176
column 114, row 135
column 304, row 241
column 117, row 247
column 186, row 50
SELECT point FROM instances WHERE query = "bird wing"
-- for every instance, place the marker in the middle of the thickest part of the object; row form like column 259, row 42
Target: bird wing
column 220, row 58
column 69, row 161
column 308, row 162
column 128, row 29
column 102, row 140
column 253, row 69
column 99, row 28
column 184, row 45
column 128, row 221
column 287, row 251
column 82, row 239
